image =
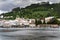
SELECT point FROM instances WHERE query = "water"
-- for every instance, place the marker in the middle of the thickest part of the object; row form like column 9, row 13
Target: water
column 31, row 35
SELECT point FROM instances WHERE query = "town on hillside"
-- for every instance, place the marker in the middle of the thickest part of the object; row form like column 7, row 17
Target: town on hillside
column 30, row 23
column 35, row 15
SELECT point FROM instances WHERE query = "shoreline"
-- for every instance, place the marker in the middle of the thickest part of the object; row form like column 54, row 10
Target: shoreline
column 28, row 26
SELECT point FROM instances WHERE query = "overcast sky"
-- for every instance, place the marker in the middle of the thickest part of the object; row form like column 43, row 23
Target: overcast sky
column 7, row 5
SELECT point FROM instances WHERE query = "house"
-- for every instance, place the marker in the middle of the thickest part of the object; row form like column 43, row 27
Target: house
column 22, row 21
column 8, row 17
column 48, row 19
column 58, row 19
column 1, row 23
column 6, row 23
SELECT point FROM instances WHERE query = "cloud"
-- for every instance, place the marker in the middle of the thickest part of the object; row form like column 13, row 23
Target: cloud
column 7, row 5
column 3, row 12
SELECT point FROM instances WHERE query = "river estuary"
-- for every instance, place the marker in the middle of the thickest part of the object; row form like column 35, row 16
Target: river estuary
column 38, row 34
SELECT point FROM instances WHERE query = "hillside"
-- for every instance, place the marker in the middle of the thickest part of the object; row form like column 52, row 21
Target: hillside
column 35, row 11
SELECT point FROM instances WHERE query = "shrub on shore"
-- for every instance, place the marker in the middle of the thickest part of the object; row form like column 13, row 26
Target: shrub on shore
column 37, row 22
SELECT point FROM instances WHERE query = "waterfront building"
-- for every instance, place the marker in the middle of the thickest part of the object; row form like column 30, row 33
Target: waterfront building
column 58, row 19
column 6, row 24
column 48, row 19
column 22, row 21
column 1, row 23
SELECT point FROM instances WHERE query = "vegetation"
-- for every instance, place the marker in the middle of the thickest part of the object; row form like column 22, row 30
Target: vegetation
column 37, row 22
column 35, row 11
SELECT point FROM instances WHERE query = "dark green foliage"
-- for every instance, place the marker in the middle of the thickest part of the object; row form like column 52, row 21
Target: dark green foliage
column 16, row 9
column 58, row 22
column 37, row 22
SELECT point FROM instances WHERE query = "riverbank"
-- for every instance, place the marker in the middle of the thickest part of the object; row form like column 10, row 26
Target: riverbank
column 32, row 26
column 49, row 25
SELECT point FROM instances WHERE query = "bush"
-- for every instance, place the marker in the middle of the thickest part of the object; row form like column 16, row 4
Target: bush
column 58, row 22
column 37, row 22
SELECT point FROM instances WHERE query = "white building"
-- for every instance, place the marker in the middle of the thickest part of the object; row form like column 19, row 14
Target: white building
column 1, row 23
column 48, row 19
column 58, row 19
column 22, row 21
column 9, row 23
column 6, row 23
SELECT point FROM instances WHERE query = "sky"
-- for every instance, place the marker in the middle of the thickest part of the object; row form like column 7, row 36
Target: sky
column 8, row 5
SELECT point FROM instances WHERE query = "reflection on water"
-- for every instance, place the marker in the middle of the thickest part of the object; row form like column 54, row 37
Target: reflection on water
column 30, row 35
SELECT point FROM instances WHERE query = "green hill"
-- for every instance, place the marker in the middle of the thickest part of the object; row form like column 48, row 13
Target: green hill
column 35, row 11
